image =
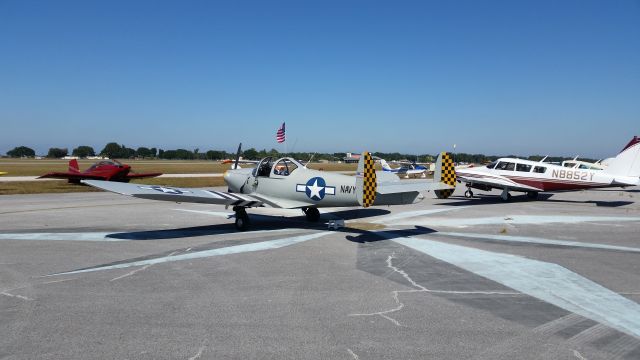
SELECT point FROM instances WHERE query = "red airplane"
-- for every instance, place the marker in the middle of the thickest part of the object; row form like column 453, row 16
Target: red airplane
column 108, row 170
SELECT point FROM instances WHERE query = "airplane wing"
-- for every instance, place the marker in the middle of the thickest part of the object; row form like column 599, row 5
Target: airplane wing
column 174, row 194
column 142, row 175
column 231, row 161
column 70, row 175
column 497, row 183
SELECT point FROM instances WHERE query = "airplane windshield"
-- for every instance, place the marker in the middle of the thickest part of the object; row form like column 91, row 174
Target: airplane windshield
column 264, row 167
column 492, row 164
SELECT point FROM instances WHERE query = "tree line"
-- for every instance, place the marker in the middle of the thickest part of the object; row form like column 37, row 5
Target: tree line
column 114, row 150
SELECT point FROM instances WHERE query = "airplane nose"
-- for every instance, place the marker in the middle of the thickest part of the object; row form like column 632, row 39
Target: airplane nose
column 234, row 181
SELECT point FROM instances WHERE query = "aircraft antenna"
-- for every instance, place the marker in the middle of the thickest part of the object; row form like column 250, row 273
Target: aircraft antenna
column 311, row 158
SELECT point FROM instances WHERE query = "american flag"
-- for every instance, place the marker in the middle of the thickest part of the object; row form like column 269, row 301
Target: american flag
column 280, row 134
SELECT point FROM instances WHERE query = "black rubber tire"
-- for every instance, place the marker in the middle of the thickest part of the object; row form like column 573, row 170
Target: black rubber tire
column 312, row 213
column 242, row 221
column 532, row 195
column 468, row 194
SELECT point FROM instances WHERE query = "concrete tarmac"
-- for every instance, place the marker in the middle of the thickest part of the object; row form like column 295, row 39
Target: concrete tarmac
column 103, row 276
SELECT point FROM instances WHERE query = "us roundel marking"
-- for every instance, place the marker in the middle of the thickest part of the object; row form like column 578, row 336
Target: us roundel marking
column 166, row 190
column 316, row 188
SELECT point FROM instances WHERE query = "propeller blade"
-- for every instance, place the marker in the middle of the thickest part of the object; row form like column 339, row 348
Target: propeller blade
column 235, row 166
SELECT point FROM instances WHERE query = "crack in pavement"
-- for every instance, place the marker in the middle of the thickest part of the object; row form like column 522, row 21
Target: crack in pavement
column 200, row 351
column 420, row 288
column 578, row 355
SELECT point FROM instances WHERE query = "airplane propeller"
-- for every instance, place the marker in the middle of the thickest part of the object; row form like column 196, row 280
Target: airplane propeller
column 235, row 166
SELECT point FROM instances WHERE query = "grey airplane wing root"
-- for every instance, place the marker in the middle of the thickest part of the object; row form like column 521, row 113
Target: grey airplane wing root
column 175, row 194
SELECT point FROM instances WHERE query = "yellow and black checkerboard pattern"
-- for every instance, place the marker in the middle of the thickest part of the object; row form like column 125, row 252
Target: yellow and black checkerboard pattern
column 369, row 184
column 448, row 174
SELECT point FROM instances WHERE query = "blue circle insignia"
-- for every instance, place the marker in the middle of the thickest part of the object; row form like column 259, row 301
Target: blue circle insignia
column 316, row 188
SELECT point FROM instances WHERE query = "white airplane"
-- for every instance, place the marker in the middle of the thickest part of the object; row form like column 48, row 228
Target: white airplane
column 531, row 177
column 577, row 164
column 405, row 170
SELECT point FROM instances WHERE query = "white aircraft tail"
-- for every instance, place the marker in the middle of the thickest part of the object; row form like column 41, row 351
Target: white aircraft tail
column 627, row 162
column 385, row 165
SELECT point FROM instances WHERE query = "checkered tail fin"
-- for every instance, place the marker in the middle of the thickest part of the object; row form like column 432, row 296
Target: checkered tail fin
column 446, row 173
column 366, row 183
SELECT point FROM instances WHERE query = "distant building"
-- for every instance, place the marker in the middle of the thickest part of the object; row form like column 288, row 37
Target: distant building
column 351, row 158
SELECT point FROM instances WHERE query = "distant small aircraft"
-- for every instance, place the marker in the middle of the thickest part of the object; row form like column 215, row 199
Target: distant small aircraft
column 109, row 170
column 531, row 177
column 287, row 183
column 578, row 164
column 406, row 169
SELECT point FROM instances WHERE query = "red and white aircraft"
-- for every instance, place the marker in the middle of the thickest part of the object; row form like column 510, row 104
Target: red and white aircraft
column 531, row 177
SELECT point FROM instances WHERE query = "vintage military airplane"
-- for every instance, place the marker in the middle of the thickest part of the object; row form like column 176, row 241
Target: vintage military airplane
column 109, row 170
column 287, row 183
column 406, row 169
column 531, row 177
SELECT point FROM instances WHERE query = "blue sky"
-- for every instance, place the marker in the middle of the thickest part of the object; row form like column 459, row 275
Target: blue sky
column 494, row 77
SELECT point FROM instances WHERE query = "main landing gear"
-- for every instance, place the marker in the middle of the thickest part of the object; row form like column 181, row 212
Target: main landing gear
column 532, row 195
column 505, row 196
column 468, row 194
column 312, row 213
column 242, row 219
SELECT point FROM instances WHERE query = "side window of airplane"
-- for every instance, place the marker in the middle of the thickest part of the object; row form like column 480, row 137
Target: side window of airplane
column 583, row 166
column 506, row 166
column 284, row 167
column 569, row 164
column 539, row 169
column 523, row 167
column 491, row 165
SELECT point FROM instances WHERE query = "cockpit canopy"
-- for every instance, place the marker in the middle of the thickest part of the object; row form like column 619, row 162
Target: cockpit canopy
column 106, row 163
column 281, row 167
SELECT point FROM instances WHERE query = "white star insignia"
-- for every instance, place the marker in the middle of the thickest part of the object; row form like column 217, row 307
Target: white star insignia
column 315, row 190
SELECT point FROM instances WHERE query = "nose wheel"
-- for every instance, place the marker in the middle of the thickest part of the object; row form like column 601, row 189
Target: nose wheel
column 242, row 219
column 468, row 194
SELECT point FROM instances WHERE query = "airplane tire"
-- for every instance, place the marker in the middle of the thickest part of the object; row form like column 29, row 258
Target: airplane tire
column 532, row 195
column 443, row 194
column 468, row 194
column 312, row 213
column 242, row 220
column 508, row 198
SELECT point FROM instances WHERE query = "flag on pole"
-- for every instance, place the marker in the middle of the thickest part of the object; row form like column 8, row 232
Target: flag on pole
column 280, row 134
